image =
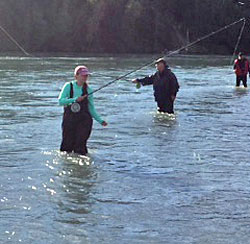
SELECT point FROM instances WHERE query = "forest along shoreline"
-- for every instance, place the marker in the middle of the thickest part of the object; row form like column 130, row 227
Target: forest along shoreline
column 120, row 26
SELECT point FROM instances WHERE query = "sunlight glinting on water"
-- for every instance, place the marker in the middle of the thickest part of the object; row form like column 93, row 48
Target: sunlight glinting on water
column 148, row 176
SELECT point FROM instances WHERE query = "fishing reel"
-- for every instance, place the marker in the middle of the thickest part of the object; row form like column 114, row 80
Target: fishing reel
column 75, row 107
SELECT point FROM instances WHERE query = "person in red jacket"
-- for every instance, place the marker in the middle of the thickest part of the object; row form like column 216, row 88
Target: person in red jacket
column 241, row 69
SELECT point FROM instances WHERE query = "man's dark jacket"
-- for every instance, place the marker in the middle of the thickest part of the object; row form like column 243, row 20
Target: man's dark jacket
column 165, row 84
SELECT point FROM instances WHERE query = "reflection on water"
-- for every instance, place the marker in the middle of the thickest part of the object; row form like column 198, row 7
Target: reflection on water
column 75, row 179
column 163, row 119
column 240, row 91
column 149, row 178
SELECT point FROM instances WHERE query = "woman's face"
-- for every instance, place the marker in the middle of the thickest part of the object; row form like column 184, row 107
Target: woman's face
column 81, row 78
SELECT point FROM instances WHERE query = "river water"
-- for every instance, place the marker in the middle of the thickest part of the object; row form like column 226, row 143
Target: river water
column 149, row 178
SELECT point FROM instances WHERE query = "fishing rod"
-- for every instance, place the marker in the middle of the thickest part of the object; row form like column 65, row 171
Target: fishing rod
column 238, row 41
column 171, row 53
column 147, row 64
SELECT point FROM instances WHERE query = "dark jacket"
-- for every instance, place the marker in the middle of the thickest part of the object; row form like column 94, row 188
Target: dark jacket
column 165, row 84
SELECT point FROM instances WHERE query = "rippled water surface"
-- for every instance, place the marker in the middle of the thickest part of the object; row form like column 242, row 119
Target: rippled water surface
column 149, row 178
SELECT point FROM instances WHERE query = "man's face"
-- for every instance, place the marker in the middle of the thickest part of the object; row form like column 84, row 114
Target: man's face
column 160, row 67
column 241, row 56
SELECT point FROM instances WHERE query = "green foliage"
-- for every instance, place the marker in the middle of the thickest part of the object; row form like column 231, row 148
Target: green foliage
column 119, row 26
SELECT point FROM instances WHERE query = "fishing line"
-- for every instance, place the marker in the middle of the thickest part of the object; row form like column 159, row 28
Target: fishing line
column 152, row 62
column 238, row 41
column 28, row 54
column 171, row 53
column 14, row 41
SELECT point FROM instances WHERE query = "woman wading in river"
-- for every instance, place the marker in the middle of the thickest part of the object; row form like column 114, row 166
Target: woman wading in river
column 79, row 110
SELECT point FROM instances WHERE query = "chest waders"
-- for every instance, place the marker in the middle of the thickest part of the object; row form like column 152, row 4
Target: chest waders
column 76, row 127
column 163, row 98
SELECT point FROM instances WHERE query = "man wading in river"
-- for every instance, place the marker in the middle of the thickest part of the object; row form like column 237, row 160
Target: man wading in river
column 79, row 110
column 165, row 86
column 241, row 69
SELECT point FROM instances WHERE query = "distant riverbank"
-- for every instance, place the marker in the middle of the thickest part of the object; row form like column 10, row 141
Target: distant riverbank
column 120, row 26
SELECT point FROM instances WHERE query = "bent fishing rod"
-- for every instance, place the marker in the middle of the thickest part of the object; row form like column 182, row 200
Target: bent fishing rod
column 173, row 52
column 150, row 63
